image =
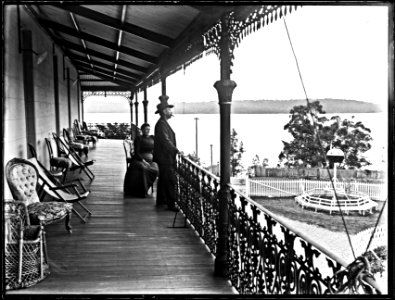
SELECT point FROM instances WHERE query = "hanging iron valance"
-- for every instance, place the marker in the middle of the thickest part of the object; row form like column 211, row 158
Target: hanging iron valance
column 240, row 29
column 126, row 94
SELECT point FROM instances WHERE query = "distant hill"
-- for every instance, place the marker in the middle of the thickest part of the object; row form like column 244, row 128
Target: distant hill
column 247, row 107
column 276, row 106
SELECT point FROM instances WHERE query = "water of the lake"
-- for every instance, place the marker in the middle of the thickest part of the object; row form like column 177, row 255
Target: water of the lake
column 261, row 134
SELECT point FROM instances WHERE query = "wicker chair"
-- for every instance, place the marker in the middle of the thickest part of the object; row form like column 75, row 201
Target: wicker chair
column 25, row 249
column 22, row 178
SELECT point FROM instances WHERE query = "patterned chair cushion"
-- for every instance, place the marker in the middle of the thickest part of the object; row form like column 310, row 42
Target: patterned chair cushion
column 24, row 180
column 48, row 212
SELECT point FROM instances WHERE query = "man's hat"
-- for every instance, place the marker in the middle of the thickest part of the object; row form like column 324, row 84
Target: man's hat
column 161, row 106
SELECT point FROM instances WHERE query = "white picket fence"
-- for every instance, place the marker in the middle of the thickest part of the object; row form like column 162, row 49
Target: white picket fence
column 361, row 239
column 271, row 187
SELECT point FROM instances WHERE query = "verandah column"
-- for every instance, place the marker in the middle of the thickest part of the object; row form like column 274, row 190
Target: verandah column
column 145, row 104
column 130, row 100
column 136, row 104
column 68, row 97
column 82, row 104
column 28, row 87
column 163, row 97
column 225, row 88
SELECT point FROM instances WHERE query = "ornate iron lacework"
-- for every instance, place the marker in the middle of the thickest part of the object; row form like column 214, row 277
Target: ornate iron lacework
column 86, row 94
column 197, row 199
column 264, row 255
column 240, row 29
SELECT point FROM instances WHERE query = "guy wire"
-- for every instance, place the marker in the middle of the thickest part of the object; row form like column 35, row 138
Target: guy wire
column 319, row 139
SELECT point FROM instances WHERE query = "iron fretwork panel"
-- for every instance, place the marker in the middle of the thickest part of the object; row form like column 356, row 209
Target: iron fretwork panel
column 266, row 257
column 197, row 199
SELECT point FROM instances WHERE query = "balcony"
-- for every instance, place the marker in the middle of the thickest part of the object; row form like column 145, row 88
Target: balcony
column 128, row 246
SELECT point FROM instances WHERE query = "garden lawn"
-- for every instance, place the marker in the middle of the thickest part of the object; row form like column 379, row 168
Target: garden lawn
column 287, row 207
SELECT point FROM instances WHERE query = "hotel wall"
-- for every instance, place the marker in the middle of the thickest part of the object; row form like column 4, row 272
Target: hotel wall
column 14, row 117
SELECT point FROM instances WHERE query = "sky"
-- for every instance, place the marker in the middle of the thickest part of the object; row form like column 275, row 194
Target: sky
column 341, row 51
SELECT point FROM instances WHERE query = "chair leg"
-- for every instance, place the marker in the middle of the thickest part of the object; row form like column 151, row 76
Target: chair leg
column 68, row 225
column 174, row 221
column 64, row 175
column 89, row 213
column 89, row 173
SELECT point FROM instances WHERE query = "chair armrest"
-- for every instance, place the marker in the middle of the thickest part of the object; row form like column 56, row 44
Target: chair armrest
column 89, row 162
column 24, row 208
column 71, row 185
column 81, row 185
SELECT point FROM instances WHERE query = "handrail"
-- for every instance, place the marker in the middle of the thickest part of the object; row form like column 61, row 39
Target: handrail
column 199, row 167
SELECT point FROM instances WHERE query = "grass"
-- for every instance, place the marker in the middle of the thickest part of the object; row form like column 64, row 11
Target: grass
column 287, row 207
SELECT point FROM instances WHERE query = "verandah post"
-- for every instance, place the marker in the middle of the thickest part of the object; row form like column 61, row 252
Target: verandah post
column 145, row 104
column 28, row 87
column 225, row 88
column 163, row 97
column 136, row 104
column 130, row 100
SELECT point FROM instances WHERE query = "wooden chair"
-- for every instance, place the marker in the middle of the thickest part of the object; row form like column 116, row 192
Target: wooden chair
column 68, row 193
column 22, row 177
column 25, row 255
column 128, row 147
column 84, row 136
column 95, row 132
column 69, row 152
column 77, row 146
column 59, row 165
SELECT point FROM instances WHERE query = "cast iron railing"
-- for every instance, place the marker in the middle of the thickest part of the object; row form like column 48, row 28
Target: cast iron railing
column 198, row 201
column 266, row 256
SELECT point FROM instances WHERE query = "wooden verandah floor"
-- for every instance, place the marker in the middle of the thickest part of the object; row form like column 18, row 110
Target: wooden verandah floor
column 128, row 246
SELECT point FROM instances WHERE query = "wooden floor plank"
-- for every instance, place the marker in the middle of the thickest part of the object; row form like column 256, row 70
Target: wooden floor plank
column 128, row 246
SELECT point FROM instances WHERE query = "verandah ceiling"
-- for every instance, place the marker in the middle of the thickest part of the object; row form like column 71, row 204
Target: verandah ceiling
column 126, row 47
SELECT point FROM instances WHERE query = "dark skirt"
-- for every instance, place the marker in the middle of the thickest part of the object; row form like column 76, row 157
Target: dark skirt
column 139, row 178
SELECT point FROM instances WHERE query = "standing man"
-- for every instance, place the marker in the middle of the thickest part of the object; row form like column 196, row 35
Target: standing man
column 165, row 151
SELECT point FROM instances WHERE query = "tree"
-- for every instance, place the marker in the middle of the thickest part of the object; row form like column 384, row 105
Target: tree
column 352, row 138
column 236, row 152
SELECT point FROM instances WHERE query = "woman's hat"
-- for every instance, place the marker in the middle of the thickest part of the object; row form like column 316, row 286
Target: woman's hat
column 161, row 106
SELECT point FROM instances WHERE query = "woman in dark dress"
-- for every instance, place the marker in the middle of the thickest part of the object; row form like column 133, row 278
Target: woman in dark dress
column 142, row 171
